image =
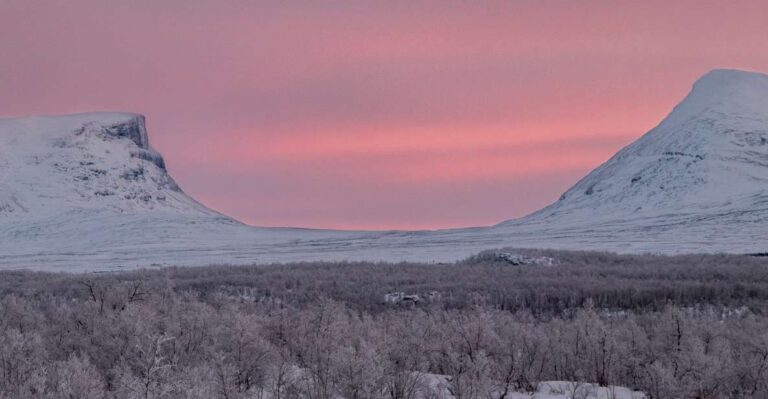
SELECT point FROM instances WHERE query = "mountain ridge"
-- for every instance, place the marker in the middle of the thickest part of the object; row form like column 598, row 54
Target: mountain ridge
column 88, row 192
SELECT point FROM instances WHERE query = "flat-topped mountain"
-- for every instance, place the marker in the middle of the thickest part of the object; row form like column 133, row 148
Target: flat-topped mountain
column 90, row 164
column 88, row 192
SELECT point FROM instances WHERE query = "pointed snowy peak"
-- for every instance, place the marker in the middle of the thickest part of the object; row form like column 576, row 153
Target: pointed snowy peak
column 724, row 81
column 725, row 90
column 718, row 79
column 709, row 155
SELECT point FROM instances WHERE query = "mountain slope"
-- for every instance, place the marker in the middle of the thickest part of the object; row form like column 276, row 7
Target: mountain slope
column 88, row 164
column 87, row 192
column 709, row 155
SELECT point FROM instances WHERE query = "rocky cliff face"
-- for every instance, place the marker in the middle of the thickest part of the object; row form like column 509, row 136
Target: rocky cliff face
column 94, row 163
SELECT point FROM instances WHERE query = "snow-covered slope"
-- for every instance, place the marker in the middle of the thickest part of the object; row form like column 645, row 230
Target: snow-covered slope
column 709, row 155
column 86, row 164
column 698, row 182
column 87, row 192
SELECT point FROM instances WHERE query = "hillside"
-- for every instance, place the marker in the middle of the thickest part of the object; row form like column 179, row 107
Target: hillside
column 88, row 192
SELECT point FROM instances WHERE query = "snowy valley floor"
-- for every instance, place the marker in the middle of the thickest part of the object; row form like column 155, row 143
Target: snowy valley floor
column 503, row 324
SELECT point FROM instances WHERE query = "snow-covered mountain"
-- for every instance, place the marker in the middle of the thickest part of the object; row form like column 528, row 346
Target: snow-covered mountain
column 710, row 155
column 87, row 192
column 86, row 164
column 698, row 182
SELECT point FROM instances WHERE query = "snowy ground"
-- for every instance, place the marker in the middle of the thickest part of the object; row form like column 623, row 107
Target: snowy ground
column 118, row 242
column 439, row 387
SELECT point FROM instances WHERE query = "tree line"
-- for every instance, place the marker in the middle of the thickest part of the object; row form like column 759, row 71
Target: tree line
column 289, row 331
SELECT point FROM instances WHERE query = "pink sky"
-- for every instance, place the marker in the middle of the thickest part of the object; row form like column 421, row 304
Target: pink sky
column 390, row 114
